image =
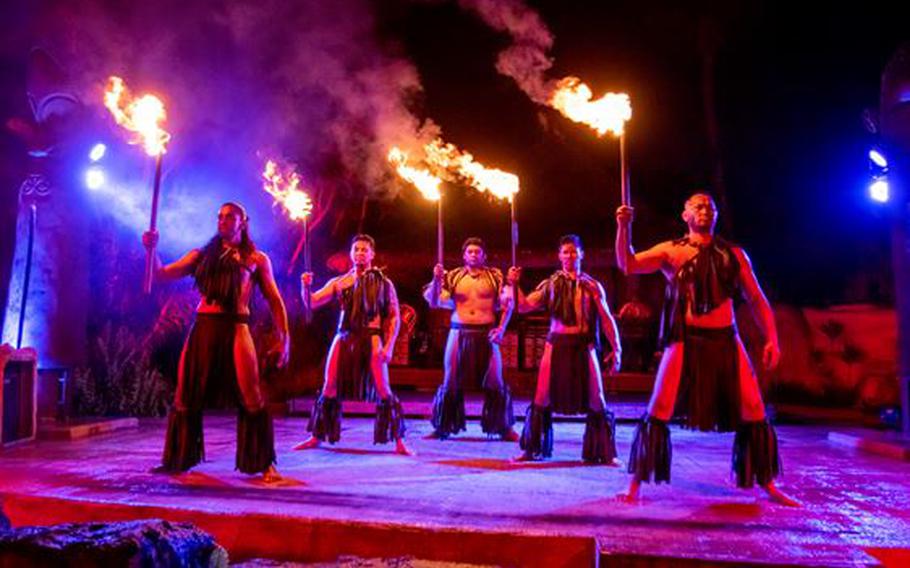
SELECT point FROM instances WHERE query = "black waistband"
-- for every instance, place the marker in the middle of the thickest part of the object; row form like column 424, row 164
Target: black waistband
column 226, row 317
column 369, row 331
column 581, row 338
column 711, row 332
column 471, row 326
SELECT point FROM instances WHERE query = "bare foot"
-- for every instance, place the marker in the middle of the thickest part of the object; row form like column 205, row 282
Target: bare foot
column 311, row 442
column 271, row 475
column 402, row 449
column 511, row 436
column 779, row 497
column 632, row 493
column 615, row 462
column 524, row 457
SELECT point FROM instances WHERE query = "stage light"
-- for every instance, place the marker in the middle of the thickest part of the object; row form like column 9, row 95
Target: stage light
column 94, row 178
column 879, row 190
column 98, row 151
column 878, row 158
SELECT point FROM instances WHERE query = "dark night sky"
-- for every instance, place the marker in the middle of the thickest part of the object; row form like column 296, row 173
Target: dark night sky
column 791, row 85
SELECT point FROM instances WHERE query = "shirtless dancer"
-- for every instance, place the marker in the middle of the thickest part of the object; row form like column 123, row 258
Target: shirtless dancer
column 367, row 330
column 474, row 292
column 569, row 380
column 704, row 364
column 219, row 350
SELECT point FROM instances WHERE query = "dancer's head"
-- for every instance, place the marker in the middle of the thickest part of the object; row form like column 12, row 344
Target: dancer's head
column 571, row 252
column 233, row 225
column 700, row 213
column 363, row 250
column 474, row 253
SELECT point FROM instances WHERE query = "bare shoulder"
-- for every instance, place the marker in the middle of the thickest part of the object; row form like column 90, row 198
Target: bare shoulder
column 669, row 249
column 261, row 259
column 741, row 256
column 334, row 279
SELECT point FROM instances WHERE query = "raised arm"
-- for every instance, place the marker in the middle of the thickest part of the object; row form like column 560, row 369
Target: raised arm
column 627, row 259
column 322, row 296
column 390, row 325
column 280, row 351
column 506, row 306
column 444, row 298
column 175, row 270
column 530, row 303
column 761, row 307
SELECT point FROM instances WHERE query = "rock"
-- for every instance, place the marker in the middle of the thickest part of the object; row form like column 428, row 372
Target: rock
column 4, row 522
column 152, row 542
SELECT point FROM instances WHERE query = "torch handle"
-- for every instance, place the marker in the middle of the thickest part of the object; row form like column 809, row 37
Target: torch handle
column 624, row 172
column 153, row 225
column 440, row 233
column 307, row 267
column 513, row 217
column 440, row 247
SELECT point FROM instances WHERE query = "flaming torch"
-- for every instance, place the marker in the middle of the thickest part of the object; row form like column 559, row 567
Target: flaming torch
column 498, row 183
column 609, row 113
column 284, row 187
column 142, row 117
column 428, row 186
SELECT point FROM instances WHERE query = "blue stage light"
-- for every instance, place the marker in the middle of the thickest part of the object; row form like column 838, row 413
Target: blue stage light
column 878, row 158
column 94, row 178
column 879, row 191
column 98, row 152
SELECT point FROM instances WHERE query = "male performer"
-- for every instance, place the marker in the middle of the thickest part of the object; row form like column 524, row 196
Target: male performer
column 219, row 355
column 367, row 329
column 704, row 361
column 569, row 379
column 474, row 292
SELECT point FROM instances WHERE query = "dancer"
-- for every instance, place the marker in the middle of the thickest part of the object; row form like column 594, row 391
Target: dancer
column 474, row 292
column 219, row 355
column 569, row 380
column 362, row 347
column 705, row 371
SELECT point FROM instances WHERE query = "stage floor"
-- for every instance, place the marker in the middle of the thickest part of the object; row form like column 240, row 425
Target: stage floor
column 464, row 500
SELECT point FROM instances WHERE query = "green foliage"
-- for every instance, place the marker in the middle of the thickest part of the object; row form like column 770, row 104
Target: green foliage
column 121, row 381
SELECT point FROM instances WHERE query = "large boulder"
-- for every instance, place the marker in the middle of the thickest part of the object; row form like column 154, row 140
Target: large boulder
column 4, row 521
column 151, row 543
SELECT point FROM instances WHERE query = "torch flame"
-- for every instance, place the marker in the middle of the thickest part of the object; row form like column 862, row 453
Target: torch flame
column 285, row 188
column 607, row 114
column 500, row 184
column 425, row 182
column 142, row 116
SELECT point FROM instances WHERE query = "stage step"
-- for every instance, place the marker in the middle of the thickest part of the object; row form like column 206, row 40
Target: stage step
column 79, row 428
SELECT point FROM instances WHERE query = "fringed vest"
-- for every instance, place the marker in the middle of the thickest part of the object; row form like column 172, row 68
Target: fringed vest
column 493, row 276
column 370, row 296
column 219, row 276
column 559, row 292
column 701, row 285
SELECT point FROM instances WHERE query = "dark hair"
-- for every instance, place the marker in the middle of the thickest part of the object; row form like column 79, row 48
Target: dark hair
column 218, row 276
column 571, row 240
column 238, row 208
column 476, row 241
column 364, row 238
